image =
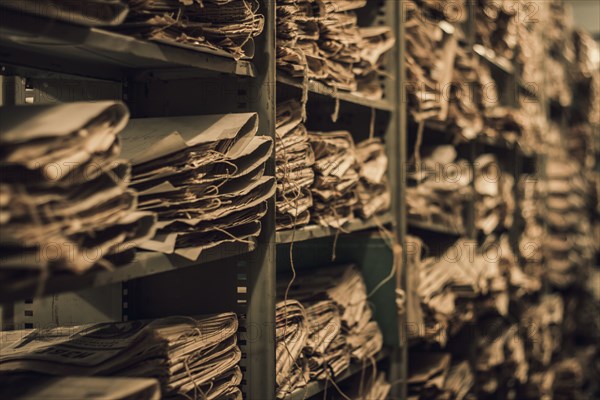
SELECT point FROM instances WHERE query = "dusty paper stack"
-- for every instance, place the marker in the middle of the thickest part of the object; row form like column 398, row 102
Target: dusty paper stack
column 373, row 189
column 500, row 356
column 466, row 97
column 291, row 334
column 432, row 376
column 84, row 12
column 568, row 248
column 369, row 385
column 294, row 167
column 188, row 356
column 77, row 387
column 321, row 39
column 430, row 52
column 439, row 187
column 334, row 194
column 340, row 329
column 496, row 26
column 64, row 204
column 203, row 176
column 494, row 201
column 223, row 27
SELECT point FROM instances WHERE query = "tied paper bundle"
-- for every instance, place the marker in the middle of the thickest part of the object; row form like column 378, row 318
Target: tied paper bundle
column 500, row 356
column 64, row 203
column 294, row 160
column 339, row 321
column 291, row 334
column 84, row 12
column 336, row 178
column 189, row 357
column 496, row 26
column 373, row 189
column 568, row 248
column 494, row 201
column 466, row 93
column 203, row 176
column 438, row 190
column 223, row 27
column 369, row 385
column 75, row 387
column 321, row 39
column 431, row 376
column 430, row 52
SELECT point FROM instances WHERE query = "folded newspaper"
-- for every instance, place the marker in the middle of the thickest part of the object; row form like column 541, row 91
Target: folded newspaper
column 65, row 201
column 188, row 356
column 204, row 178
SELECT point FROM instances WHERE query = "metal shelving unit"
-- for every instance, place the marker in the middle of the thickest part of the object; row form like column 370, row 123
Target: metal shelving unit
column 40, row 55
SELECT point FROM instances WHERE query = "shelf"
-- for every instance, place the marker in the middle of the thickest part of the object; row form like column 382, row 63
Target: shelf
column 145, row 264
column 44, row 43
column 434, row 227
column 324, row 90
column 490, row 56
column 316, row 387
column 315, row 232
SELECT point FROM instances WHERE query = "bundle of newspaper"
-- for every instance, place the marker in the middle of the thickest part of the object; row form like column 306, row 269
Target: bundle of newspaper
column 370, row 385
column 84, row 12
column 500, row 356
column 203, row 176
column 496, row 26
column 223, row 27
column 430, row 52
column 466, row 97
column 27, row 387
column 291, row 334
column 431, row 376
column 189, row 356
column 64, row 204
column 494, row 200
column 294, row 161
column 568, row 248
column 373, row 189
column 321, row 39
column 439, row 187
column 334, row 189
column 338, row 318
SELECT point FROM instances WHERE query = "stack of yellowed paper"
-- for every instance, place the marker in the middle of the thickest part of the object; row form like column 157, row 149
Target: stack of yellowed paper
column 338, row 320
column 432, row 376
column 321, row 40
column 294, row 167
column 65, row 205
column 291, row 333
column 374, row 194
column 203, row 176
column 439, row 188
column 223, row 27
column 430, row 52
column 334, row 193
column 84, row 12
column 494, row 199
column 190, row 357
column 371, row 385
column 23, row 387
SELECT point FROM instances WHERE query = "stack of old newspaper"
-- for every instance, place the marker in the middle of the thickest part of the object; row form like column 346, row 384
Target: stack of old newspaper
column 294, row 167
column 432, row 376
column 430, row 52
column 221, row 27
column 494, row 200
column 336, row 178
column 373, row 189
column 321, row 39
column 65, row 205
column 337, row 325
column 439, row 188
column 190, row 357
column 203, row 176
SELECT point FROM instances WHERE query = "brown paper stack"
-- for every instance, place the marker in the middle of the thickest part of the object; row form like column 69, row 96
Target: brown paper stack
column 494, row 200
